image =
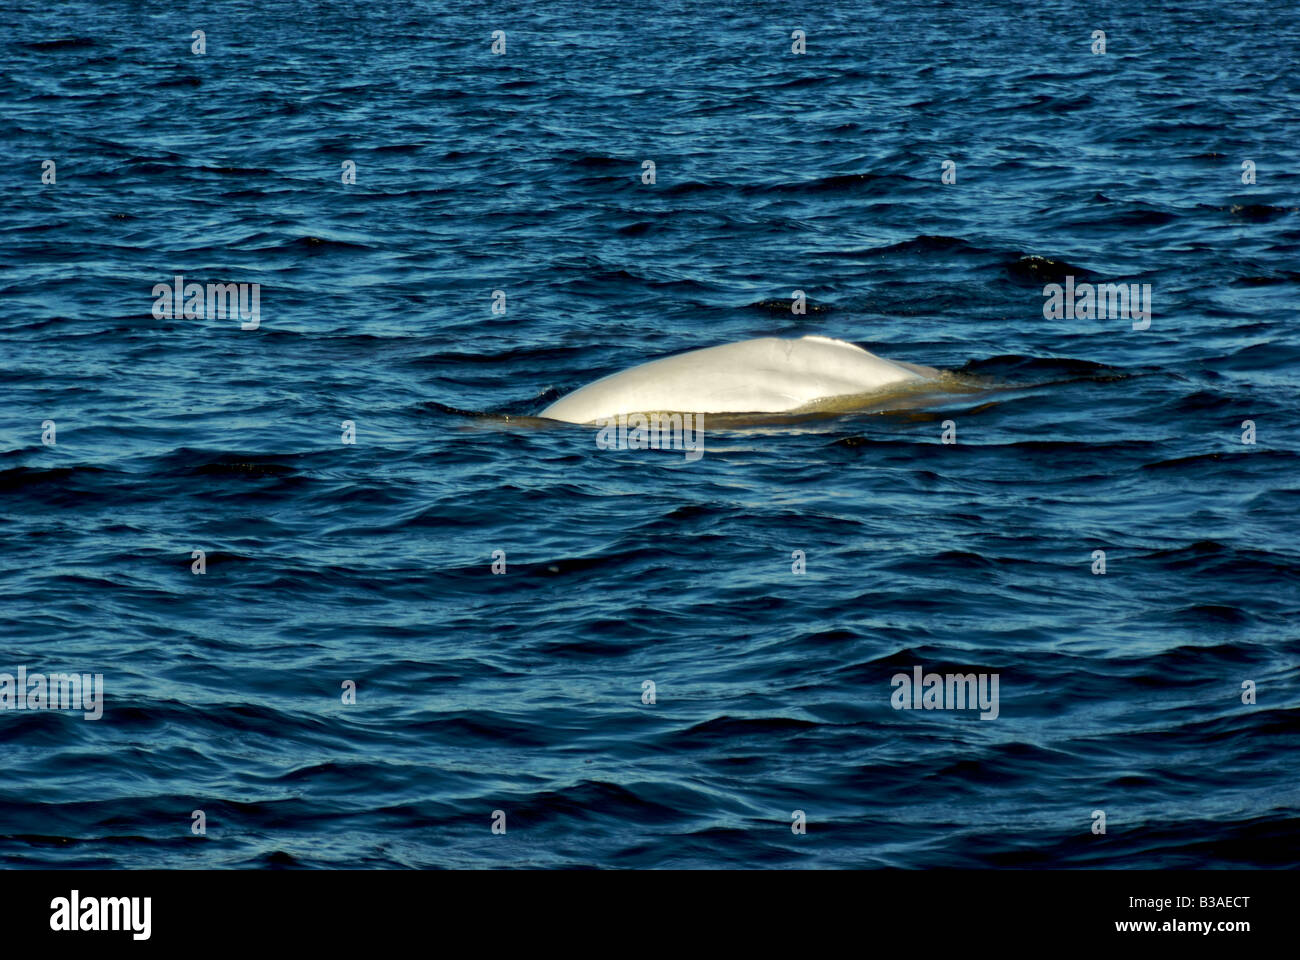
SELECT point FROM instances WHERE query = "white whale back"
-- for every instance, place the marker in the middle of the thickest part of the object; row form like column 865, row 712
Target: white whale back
column 767, row 375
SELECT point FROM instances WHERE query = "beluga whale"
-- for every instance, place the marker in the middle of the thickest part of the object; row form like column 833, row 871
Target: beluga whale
column 766, row 375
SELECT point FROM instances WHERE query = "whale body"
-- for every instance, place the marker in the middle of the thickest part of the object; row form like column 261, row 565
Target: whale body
column 767, row 375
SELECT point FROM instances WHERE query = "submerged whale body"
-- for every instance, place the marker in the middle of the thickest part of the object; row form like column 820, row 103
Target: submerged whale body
column 767, row 375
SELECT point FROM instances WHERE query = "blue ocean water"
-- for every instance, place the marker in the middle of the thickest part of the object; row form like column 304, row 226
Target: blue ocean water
column 521, row 692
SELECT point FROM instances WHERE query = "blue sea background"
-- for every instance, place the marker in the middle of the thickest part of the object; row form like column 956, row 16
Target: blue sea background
column 522, row 692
